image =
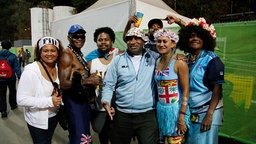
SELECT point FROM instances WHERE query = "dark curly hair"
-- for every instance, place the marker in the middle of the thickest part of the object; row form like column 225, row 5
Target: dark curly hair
column 185, row 33
column 107, row 30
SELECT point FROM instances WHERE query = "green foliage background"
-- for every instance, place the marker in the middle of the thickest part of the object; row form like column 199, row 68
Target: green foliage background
column 239, row 90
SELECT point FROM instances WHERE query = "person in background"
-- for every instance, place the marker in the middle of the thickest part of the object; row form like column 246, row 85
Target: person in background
column 198, row 39
column 153, row 25
column 78, row 86
column 130, row 74
column 172, row 79
column 21, row 56
column 104, row 37
column 9, row 82
column 36, row 92
column 101, row 58
column 27, row 56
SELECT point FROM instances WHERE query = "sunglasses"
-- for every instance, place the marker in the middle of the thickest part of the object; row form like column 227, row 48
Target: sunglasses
column 78, row 36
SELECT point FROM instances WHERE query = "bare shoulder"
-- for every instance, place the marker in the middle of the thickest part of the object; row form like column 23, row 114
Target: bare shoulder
column 66, row 57
column 181, row 63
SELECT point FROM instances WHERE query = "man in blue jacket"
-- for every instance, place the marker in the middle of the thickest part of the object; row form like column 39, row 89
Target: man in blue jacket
column 8, row 82
column 131, row 75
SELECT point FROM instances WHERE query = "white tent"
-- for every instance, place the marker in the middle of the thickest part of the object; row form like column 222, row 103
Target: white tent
column 111, row 13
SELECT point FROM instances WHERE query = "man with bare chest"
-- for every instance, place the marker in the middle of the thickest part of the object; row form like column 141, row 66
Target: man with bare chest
column 78, row 86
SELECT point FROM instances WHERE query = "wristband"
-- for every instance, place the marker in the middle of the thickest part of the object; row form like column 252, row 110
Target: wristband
column 181, row 112
column 184, row 98
column 184, row 103
column 181, row 123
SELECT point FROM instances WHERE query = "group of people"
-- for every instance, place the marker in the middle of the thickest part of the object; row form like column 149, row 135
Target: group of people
column 24, row 56
column 146, row 91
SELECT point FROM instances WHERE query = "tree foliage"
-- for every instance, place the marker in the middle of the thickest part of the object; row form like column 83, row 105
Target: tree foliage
column 15, row 14
column 211, row 10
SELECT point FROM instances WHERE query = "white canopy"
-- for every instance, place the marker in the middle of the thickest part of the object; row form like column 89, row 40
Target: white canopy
column 113, row 14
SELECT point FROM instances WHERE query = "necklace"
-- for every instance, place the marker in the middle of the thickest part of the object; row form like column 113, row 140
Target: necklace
column 80, row 57
column 194, row 58
column 168, row 61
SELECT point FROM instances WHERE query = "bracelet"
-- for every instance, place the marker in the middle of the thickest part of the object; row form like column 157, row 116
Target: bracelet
column 181, row 123
column 184, row 98
column 184, row 103
column 181, row 112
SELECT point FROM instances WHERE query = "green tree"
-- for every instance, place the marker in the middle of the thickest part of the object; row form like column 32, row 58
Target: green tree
column 81, row 5
column 7, row 27
column 21, row 19
column 211, row 10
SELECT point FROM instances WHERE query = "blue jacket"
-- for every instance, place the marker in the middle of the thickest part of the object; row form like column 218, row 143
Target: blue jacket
column 12, row 60
column 134, row 93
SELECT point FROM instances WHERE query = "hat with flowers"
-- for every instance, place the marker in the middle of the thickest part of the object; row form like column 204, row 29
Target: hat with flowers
column 166, row 33
column 202, row 22
column 137, row 33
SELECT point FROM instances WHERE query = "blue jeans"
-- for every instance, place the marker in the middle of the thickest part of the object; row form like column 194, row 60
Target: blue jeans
column 42, row 136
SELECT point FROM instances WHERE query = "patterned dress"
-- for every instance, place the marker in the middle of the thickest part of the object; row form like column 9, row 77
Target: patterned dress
column 169, row 99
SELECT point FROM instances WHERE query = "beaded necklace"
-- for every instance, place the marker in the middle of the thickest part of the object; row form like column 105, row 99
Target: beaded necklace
column 80, row 57
column 193, row 59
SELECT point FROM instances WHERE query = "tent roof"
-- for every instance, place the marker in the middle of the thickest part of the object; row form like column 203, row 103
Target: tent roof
column 114, row 14
column 104, row 3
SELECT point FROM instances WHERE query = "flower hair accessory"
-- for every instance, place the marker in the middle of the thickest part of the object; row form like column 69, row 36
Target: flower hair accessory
column 202, row 22
column 166, row 33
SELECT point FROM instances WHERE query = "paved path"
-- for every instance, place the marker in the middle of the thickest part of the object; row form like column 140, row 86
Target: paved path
column 13, row 130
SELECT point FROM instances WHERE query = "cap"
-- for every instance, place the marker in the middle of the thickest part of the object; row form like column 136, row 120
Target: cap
column 136, row 32
column 76, row 28
column 155, row 21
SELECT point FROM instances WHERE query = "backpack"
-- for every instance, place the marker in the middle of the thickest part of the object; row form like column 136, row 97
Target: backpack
column 5, row 69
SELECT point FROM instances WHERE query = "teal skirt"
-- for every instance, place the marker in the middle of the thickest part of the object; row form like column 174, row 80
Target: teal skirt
column 167, row 118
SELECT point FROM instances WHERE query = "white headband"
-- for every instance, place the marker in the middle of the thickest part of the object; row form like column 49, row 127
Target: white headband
column 48, row 40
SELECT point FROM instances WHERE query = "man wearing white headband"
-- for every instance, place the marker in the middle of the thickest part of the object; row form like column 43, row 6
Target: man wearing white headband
column 78, row 86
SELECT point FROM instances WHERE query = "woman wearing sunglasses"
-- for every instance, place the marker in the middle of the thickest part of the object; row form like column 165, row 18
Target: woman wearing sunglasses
column 37, row 91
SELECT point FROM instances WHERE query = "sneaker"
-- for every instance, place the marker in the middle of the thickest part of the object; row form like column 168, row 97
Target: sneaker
column 4, row 114
column 13, row 108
